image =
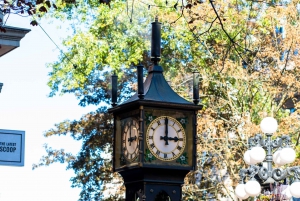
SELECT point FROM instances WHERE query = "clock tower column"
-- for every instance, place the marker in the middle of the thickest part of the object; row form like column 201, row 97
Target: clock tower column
column 154, row 134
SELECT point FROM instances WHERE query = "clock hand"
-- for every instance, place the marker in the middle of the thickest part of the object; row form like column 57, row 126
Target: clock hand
column 173, row 138
column 130, row 139
column 166, row 131
column 165, row 138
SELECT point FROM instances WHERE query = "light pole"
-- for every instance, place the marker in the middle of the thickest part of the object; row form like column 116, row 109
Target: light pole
column 261, row 152
column 1, row 85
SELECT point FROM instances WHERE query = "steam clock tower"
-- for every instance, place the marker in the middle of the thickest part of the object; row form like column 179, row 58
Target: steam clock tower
column 154, row 134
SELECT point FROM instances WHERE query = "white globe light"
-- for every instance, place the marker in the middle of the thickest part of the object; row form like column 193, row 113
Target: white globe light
column 287, row 155
column 240, row 192
column 268, row 125
column 277, row 159
column 252, row 188
column 247, row 158
column 257, row 154
column 287, row 193
column 294, row 189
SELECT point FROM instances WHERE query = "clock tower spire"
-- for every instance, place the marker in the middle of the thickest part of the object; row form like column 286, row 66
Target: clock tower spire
column 154, row 134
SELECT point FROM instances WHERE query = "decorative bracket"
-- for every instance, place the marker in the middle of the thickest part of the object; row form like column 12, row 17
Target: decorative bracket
column 280, row 174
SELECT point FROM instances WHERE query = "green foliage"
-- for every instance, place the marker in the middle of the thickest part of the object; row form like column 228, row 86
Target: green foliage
column 90, row 165
column 234, row 46
column 110, row 45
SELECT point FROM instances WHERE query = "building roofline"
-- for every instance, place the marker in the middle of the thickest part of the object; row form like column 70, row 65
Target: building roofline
column 10, row 39
column 17, row 29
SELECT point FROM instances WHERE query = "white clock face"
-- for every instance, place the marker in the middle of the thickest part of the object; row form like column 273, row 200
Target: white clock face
column 166, row 138
column 130, row 140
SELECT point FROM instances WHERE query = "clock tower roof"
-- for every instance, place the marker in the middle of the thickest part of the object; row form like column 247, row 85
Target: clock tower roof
column 157, row 89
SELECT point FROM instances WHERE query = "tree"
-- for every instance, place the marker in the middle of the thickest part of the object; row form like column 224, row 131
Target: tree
column 245, row 51
column 24, row 8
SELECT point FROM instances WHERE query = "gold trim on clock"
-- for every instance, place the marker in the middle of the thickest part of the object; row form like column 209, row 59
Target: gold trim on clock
column 166, row 138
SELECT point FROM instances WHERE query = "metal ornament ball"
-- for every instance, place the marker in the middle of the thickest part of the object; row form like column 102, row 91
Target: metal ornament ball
column 248, row 159
column 287, row 155
column 240, row 191
column 295, row 189
column 257, row 154
column 287, row 193
column 277, row 159
column 267, row 150
column 252, row 188
column 269, row 125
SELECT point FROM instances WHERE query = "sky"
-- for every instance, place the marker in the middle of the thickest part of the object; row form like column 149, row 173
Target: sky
column 24, row 105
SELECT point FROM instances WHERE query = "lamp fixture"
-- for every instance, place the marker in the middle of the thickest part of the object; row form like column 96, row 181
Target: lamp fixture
column 260, row 152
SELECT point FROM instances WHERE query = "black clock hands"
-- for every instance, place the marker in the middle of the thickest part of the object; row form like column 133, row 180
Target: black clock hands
column 130, row 139
column 166, row 138
column 166, row 131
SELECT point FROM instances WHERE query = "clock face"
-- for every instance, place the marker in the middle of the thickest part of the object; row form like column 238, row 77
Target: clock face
column 130, row 140
column 166, row 138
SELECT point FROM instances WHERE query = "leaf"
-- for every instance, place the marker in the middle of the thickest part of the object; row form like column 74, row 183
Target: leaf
column 175, row 6
column 189, row 6
column 34, row 23
column 43, row 9
column 54, row 6
column 39, row 2
column 48, row 4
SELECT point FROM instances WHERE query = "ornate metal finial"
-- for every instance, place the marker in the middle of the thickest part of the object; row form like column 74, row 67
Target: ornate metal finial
column 196, row 87
column 155, row 41
column 114, row 90
column 140, row 81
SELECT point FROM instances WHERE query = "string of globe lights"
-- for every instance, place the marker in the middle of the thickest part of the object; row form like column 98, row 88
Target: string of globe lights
column 260, row 157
